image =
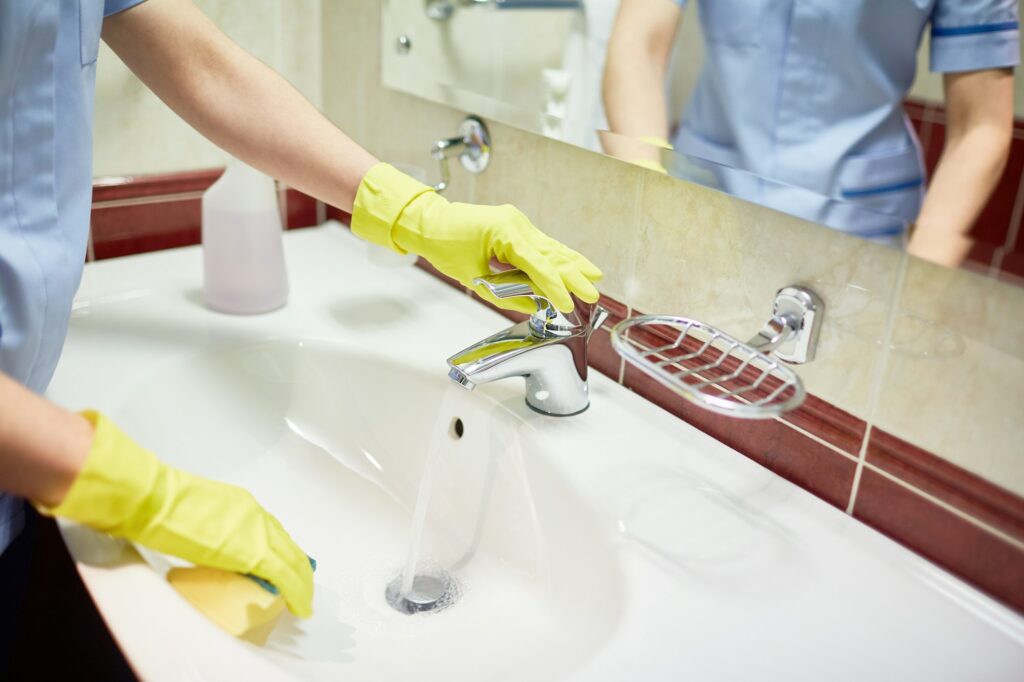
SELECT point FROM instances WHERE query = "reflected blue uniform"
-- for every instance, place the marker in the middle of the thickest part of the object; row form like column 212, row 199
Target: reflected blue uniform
column 48, row 54
column 809, row 93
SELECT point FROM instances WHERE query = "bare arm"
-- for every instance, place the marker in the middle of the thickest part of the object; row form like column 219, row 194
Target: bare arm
column 634, row 74
column 979, row 128
column 42, row 446
column 235, row 100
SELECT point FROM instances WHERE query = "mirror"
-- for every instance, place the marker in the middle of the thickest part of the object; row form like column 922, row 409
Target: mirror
column 778, row 103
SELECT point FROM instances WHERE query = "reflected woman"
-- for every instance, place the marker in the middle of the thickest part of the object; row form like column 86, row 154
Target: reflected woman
column 809, row 94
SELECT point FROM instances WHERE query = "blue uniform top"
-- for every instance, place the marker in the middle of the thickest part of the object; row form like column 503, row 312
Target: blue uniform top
column 47, row 79
column 809, row 92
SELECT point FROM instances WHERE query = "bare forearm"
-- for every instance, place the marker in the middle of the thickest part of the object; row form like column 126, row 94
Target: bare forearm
column 964, row 179
column 42, row 446
column 634, row 94
column 235, row 100
column 980, row 124
column 634, row 78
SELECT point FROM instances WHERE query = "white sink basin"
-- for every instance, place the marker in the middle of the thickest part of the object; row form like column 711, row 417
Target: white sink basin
column 334, row 442
column 619, row 543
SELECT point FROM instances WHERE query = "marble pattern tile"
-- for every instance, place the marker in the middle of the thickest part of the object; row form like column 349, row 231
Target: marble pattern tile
column 954, row 384
column 705, row 255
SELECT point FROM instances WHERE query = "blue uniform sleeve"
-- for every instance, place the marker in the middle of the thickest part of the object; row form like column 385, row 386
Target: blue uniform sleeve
column 968, row 35
column 115, row 6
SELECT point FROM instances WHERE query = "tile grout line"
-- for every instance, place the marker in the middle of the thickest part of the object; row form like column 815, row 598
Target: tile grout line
column 817, row 439
column 1002, row 535
column 638, row 195
column 152, row 199
column 1015, row 217
column 880, row 371
column 861, row 461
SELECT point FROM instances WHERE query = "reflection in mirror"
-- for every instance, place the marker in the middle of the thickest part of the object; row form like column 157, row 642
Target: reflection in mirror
column 836, row 213
column 801, row 106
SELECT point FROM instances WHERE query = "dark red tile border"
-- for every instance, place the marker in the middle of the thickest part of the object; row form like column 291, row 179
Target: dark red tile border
column 974, row 554
column 833, row 425
column 617, row 312
column 126, row 230
column 133, row 187
column 792, row 455
column 343, row 217
column 301, row 210
column 600, row 354
column 956, row 487
column 149, row 213
column 1011, row 268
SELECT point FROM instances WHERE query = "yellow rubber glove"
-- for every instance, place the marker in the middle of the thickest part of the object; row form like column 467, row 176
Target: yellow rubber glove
column 393, row 210
column 124, row 490
column 649, row 164
column 656, row 142
column 652, row 164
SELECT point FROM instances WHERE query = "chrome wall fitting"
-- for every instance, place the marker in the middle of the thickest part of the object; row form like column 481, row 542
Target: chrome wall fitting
column 473, row 145
column 792, row 332
column 709, row 368
column 549, row 350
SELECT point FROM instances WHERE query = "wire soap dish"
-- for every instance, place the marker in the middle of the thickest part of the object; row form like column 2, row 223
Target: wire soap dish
column 710, row 368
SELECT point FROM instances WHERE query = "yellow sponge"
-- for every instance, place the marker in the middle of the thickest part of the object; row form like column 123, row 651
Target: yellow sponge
column 235, row 602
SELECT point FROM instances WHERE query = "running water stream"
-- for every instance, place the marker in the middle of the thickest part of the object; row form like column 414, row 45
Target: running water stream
column 424, row 591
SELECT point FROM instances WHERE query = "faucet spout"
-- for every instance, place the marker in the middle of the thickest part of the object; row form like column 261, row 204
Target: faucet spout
column 549, row 350
column 555, row 368
column 461, row 378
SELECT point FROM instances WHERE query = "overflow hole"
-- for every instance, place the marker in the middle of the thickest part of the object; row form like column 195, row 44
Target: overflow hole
column 456, row 428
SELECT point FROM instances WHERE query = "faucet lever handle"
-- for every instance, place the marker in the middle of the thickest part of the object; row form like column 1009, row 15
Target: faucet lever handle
column 546, row 321
column 510, row 284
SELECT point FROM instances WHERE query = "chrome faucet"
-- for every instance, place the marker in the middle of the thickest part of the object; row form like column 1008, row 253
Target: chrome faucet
column 549, row 350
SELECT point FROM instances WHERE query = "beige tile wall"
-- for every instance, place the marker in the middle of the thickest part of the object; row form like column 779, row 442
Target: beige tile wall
column 500, row 55
column 136, row 133
column 954, row 379
column 951, row 379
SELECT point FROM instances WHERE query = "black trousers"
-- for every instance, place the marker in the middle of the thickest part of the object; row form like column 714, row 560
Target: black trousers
column 49, row 627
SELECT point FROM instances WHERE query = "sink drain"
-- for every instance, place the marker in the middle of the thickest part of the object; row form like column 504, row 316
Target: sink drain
column 430, row 592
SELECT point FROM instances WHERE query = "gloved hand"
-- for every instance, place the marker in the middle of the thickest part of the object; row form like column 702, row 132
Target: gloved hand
column 393, row 210
column 124, row 490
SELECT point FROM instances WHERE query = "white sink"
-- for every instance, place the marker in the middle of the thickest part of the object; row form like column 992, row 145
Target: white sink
column 334, row 442
column 619, row 543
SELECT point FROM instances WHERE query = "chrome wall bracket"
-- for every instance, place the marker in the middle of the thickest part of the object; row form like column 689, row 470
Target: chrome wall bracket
column 473, row 146
column 792, row 332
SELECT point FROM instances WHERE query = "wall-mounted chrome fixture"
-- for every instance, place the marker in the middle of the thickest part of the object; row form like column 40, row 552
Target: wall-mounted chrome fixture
column 404, row 44
column 442, row 10
column 549, row 350
column 473, row 145
column 717, row 372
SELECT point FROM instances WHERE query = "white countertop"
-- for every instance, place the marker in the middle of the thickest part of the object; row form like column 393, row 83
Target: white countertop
column 652, row 551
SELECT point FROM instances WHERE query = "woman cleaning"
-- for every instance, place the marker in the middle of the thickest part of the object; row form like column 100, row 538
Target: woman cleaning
column 81, row 466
